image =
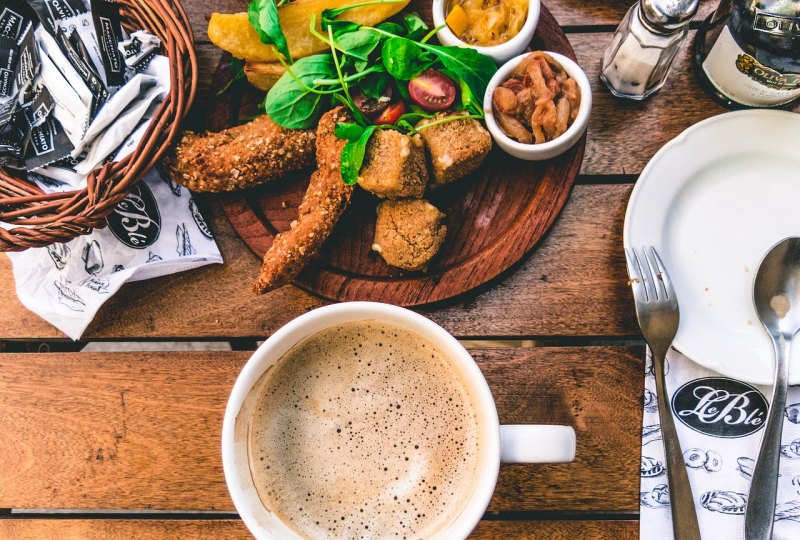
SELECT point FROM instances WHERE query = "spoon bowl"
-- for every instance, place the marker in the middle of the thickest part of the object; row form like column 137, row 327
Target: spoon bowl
column 776, row 295
column 776, row 292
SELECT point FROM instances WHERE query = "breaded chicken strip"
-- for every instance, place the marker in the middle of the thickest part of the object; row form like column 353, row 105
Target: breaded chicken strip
column 324, row 202
column 240, row 157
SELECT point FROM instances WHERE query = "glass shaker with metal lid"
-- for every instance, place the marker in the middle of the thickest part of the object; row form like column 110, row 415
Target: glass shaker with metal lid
column 639, row 58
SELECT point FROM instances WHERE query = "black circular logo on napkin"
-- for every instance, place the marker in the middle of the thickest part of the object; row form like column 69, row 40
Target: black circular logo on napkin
column 720, row 407
column 136, row 221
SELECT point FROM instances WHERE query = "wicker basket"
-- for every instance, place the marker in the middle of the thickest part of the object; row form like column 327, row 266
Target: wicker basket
column 45, row 219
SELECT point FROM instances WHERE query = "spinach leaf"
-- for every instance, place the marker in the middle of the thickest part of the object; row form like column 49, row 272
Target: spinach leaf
column 415, row 26
column 405, row 59
column 358, row 44
column 353, row 156
column 263, row 17
column 467, row 100
column 468, row 65
column 348, row 131
column 374, row 85
column 392, row 28
column 294, row 102
column 237, row 69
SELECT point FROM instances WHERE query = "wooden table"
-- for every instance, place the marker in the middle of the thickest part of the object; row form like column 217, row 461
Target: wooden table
column 128, row 444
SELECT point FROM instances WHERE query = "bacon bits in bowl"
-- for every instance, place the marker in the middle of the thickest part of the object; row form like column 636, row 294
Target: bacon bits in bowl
column 538, row 105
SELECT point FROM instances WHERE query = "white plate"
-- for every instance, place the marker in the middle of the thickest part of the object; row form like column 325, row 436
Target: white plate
column 713, row 201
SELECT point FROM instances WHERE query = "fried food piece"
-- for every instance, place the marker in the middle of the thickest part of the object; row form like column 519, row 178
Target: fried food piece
column 263, row 75
column 394, row 166
column 455, row 148
column 408, row 233
column 324, row 202
column 233, row 33
column 240, row 157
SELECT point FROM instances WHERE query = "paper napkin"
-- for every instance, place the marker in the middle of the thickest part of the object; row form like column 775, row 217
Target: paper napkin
column 720, row 422
column 156, row 230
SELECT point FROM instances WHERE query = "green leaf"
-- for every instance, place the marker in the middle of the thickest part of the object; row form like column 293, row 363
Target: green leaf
column 468, row 101
column 415, row 26
column 359, row 44
column 353, row 156
column 263, row 16
column 348, row 131
column 405, row 59
column 467, row 64
column 392, row 28
column 294, row 101
column 374, row 85
column 237, row 68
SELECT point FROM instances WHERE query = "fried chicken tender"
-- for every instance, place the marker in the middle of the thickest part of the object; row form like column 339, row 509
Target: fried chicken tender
column 240, row 157
column 324, row 202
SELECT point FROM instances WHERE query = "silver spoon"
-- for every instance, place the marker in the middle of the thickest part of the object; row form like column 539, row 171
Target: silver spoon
column 776, row 294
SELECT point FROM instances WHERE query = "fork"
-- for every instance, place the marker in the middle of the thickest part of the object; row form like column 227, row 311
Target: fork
column 658, row 316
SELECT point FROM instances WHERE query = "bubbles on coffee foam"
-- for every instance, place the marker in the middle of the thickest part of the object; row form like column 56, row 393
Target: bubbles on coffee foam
column 365, row 431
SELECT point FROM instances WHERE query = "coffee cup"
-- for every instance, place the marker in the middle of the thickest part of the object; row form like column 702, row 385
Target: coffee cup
column 497, row 443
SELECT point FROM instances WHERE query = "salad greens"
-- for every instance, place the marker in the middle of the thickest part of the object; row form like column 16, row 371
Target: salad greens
column 263, row 17
column 365, row 60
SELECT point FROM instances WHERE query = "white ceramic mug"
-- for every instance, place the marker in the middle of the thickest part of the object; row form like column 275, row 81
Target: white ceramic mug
column 506, row 444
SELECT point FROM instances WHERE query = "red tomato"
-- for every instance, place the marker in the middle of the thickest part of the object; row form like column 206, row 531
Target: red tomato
column 432, row 91
column 392, row 113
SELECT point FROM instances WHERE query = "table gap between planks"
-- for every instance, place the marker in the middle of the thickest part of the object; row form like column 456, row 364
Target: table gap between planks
column 126, row 445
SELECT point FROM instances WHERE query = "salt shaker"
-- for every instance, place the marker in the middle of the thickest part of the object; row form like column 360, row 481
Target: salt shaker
column 640, row 55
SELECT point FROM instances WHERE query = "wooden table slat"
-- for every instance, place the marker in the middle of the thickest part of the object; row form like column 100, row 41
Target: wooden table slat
column 140, row 431
column 200, row 529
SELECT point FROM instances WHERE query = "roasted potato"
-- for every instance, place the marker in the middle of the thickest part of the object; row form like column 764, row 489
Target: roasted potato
column 233, row 33
column 262, row 75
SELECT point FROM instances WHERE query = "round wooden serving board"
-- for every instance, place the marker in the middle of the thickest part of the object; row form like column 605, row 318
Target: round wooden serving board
column 495, row 216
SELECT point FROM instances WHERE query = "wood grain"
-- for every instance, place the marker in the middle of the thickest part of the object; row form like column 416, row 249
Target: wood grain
column 573, row 284
column 122, row 529
column 494, row 216
column 140, row 431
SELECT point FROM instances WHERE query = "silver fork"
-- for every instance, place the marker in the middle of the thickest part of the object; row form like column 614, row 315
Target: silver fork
column 658, row 315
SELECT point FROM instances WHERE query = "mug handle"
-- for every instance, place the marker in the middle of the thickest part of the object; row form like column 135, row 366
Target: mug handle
column 522, row 443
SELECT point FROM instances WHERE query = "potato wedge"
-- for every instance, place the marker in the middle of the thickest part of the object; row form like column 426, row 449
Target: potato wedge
column 262, row 75
column 233, row 33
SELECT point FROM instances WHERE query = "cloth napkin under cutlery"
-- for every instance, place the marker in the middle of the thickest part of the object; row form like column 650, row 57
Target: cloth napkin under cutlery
column 156, row 230
column 719, row 422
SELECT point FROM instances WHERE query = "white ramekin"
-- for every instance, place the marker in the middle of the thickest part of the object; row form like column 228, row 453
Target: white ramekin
column 501, row 52
column 506, row 444
column 559, row 145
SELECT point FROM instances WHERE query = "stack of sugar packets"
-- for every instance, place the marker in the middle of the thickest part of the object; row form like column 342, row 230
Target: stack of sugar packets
column 75, row 90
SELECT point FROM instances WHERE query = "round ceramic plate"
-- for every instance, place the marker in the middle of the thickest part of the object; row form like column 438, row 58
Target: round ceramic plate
column 713, row 201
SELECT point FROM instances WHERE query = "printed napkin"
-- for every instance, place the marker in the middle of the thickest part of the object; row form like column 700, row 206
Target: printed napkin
column 719, row 422
column 156, row 230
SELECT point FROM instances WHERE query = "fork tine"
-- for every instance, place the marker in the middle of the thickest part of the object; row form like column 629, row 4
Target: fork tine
column 668, row 286
column 658, row 273
column 647, row 275
column 635, row 276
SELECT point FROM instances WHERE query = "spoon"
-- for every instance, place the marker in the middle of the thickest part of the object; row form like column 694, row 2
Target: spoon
column 776, row 294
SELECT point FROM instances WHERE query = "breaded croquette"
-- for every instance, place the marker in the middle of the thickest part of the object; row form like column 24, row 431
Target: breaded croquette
column 455, row 148
column 409, row 233
column 324, row 202
column 394, row 166
column 240, row 157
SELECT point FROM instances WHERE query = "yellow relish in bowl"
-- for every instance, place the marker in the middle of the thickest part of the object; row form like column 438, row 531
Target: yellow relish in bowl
column 486, row 22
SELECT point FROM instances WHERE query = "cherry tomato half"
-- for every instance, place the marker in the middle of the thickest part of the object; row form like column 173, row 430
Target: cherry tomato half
column 373, row 107
column 392, row 113
column 432, row 91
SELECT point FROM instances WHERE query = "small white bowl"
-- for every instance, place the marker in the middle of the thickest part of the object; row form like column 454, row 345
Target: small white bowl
column 559, row 145
column 501, row 52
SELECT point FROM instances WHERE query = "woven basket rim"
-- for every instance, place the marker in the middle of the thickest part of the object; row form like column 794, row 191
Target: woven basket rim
column 32, row 218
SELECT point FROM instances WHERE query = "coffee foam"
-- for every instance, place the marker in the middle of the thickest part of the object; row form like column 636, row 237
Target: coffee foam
column 365, row 430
